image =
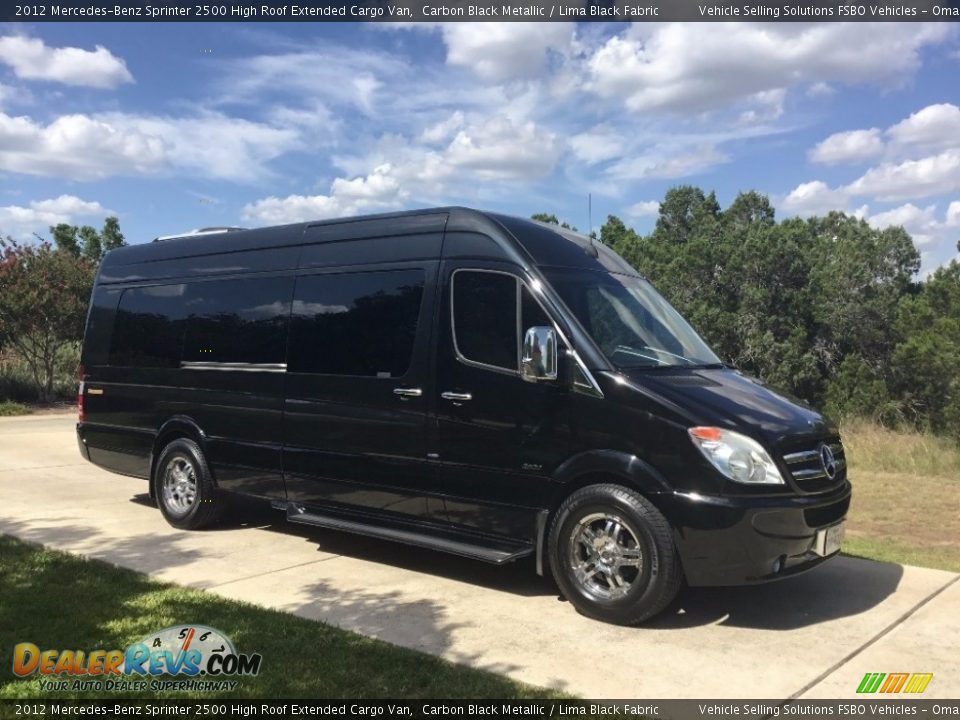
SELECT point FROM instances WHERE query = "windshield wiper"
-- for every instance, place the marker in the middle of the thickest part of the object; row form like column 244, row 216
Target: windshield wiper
column 627, row 350
column 632, row 351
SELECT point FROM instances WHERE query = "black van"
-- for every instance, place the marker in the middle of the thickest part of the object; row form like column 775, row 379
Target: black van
column 484, row 385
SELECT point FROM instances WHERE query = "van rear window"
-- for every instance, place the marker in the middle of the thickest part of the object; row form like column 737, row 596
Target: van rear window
column 148, row 331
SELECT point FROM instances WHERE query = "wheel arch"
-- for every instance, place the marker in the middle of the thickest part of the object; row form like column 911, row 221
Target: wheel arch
column 178, row 426
column 594, row 467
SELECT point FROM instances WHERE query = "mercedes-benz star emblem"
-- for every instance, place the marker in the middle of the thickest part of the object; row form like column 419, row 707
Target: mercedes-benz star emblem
column 828, row 460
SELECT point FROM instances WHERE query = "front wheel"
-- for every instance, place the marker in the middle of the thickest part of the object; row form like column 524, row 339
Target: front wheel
column 613, row 555
column 184, row 487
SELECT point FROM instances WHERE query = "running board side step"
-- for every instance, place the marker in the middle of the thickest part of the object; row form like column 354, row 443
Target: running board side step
column 408, row 537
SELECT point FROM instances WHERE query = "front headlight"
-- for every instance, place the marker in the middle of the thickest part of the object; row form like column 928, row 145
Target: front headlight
column 740, row 458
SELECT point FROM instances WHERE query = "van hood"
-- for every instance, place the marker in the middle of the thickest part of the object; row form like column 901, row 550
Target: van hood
column 728, row 398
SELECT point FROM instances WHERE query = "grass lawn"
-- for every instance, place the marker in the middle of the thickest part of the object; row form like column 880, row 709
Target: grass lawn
column 905, row 496
column 50, row 598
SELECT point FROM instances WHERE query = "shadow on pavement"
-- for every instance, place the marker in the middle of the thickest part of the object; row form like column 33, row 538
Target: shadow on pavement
column 840, row 588
column 519, row 578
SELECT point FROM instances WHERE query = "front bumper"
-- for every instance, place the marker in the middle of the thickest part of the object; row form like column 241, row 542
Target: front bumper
column 740, row 540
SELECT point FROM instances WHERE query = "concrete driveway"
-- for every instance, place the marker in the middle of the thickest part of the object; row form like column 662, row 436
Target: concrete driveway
column 812, row 636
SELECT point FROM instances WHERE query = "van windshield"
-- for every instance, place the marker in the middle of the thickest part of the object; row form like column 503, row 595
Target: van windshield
column 633, row 325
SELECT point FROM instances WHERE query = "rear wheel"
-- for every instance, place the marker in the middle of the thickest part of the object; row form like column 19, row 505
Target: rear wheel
column 613, row 555
column 184, row 487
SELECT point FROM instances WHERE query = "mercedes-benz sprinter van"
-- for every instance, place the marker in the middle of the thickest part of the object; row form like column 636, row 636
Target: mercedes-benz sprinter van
column 484, row 385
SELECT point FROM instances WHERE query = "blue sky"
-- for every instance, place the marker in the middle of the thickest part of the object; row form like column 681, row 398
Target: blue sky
column 179, row 126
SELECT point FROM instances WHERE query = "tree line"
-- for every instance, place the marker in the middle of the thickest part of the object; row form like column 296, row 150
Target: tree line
column 827, row 309
column 44, row 291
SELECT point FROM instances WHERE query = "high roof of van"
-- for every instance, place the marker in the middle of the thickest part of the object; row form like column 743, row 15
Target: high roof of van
column 519, row 239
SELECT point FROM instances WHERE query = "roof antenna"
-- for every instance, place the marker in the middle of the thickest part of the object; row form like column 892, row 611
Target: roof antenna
column 590, row 216
column 592, row 248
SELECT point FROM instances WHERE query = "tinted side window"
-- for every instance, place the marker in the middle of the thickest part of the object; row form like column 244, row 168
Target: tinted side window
column 355, row 323
column 148, row 331
column 237, row 321
column 485, row 318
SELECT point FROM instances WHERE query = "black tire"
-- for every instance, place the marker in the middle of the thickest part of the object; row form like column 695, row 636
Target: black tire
column 186, row 505
column 639, row 550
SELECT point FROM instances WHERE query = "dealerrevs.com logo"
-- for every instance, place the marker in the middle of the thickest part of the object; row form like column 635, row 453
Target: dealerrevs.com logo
column 188, row 657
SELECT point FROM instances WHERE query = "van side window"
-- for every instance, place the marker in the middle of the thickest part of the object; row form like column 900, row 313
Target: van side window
column 237, row 321
column 531, row 314
column 485, row 318
column 148, row 330
column 360, row 324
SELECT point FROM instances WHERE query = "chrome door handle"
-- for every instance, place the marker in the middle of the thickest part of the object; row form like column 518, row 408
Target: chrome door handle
column 459, row 397
column 408, row 392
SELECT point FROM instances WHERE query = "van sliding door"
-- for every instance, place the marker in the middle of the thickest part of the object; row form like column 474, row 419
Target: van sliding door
column 355, row 420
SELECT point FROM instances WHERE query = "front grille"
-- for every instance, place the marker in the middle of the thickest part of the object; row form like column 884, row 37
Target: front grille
column 808, row 472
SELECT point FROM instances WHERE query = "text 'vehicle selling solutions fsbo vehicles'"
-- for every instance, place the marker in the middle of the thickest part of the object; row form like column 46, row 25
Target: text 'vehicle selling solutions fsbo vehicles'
column 479, row 384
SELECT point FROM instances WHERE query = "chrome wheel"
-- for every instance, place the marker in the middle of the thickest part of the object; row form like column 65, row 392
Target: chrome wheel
column 605, row 556
column 179, row 486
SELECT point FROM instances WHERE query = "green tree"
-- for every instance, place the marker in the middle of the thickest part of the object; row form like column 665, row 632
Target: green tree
column 858, row 275
column 90, row 246
column 925, row 365
column 111, row 237
column 43, row 304
column 828, row 308
column 553, row 220
column 86, row 241
column 65, row 238
column 624, row 241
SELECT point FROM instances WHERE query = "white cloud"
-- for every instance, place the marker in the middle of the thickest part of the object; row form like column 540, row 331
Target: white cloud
column 921, row 223
column 597, row 144
column 926, row 177
column 821, row 89
column 644, row 208
column 695, row 67
column 933, row 127
column 336, row 75
column 32, row 59
column 443, row 130
column 500, row 149
column 814, row 198
column 492, row 149
column 85, row 147
column 935, row 238
column 498, row 52
column 378, row 190
column 668, row 162
column 953, row 214
column 848, row 147
column 39, row 215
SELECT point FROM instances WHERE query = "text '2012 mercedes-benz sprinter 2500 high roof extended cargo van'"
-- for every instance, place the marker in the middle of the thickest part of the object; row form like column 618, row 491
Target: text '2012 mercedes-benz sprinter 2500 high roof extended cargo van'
column 484, row 385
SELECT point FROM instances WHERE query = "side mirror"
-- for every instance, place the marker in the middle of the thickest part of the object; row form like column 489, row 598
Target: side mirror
column 538, row 361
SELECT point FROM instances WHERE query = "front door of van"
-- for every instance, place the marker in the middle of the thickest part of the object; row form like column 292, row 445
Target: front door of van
column 355, row 415
column 498, row 437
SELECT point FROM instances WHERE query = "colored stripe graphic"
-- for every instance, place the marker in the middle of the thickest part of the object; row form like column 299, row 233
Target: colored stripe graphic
column 894, row 682
column 918, row 682
column 870, row 682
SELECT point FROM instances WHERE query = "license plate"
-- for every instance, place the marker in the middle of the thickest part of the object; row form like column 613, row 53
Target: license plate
column 829, row 540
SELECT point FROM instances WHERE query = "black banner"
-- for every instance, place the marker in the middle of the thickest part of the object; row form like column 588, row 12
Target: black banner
column 477, row 10
column 860, row 707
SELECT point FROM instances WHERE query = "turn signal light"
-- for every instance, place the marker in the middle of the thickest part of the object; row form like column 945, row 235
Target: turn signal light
column 708, row 434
